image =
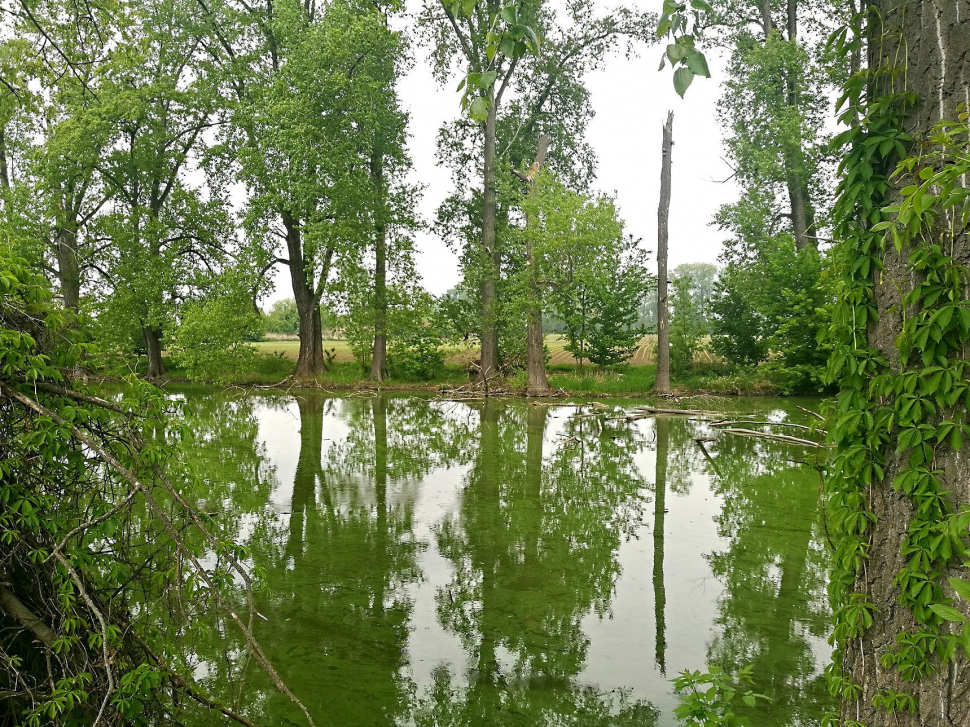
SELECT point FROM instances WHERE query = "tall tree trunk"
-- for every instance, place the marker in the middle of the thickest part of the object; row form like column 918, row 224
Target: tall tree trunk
column 766, row 22
column 799, row 205
column 492, row 263
column 659, row 513
column 4, row 173
column 802, row 217
column 309, row 363
column 378, row 367
column 931, row 39
column 152, row 338
column 662, row 386
column 538, row 384
column 68, row 267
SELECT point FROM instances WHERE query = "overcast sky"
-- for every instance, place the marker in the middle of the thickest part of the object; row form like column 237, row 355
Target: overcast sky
column 631, row 100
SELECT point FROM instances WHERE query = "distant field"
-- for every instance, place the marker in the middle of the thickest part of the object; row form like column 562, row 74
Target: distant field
column 644, row 356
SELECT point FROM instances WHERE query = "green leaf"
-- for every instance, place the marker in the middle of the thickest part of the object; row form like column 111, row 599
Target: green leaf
column 961, row 587
column 701, row 5
column 697, row 63
column 947, row 613
column 676, row 53
column 479, row 109
column 683, row 77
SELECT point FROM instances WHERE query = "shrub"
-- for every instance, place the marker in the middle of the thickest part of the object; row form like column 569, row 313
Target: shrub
column 416, row 355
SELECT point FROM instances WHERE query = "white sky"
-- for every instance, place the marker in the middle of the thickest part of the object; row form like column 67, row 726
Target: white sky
column 631, row 100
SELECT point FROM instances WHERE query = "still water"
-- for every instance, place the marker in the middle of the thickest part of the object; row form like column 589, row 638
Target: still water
column 445, row 563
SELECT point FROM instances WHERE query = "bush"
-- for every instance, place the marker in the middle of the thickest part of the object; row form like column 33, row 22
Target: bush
column 210, row 343
column 417, row 355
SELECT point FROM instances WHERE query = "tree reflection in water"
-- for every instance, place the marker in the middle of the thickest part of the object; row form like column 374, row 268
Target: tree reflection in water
column 534, row 551
column 545, row 506
column 774, row 612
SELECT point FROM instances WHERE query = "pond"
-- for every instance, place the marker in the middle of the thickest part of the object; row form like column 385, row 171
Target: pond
column 501, row 563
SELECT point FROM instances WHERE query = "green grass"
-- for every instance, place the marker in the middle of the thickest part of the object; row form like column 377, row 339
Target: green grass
column 278, row 358
column 630, row 380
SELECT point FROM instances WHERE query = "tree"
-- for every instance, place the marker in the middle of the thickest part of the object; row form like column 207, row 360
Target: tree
column 589, row 275
column 283, row 317
column 167, row 234
column 499, row 50
column 662, row 385
column 317, row 136
column 899, row 484
column 687, row 325
column 898, row 488
column 775, row 105
column 704, row 277
column 88, row 633
column 538, row 384
column 614, row 333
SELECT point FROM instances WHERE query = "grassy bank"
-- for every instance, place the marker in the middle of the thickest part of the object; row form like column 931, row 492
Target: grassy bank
column 629, row 380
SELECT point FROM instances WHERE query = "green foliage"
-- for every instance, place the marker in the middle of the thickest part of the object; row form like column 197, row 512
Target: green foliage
column 918, row 406
column 709, row 699
column 211, row 340
column 612, row 331
column 687, row 325
column 505, row 37
column 770, row 304
column 681, row 21
column 102, row 583
column 283, row 318
column 594, row 278
column 417, row 354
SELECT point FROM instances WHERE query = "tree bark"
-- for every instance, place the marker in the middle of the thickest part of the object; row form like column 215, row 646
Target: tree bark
column 378, row 367
column 152, row 338
column 662, row 385
column 799, row 207
column 68, row 267
column 802, row 217
column 491, row 268
column 932, row 38
column 4, row 173
column 309, row 363
column 538, row 383
column 766, row 22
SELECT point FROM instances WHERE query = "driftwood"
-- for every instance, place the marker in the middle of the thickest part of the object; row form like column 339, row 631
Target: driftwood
column 683, row 412
column 802, row 427
column 812, row 413
column 774, row 437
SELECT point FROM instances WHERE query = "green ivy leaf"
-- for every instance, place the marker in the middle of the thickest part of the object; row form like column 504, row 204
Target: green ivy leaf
column 479, row 109
column 961, row 587
column 947, row 613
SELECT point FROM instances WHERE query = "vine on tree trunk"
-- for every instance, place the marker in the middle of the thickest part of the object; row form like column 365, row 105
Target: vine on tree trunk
column 898, row 417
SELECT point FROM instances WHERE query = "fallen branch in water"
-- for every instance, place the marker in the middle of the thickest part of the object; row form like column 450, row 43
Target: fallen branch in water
column 802, row 427
column 774, row 437
column 683, row 412
column 811, row 413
